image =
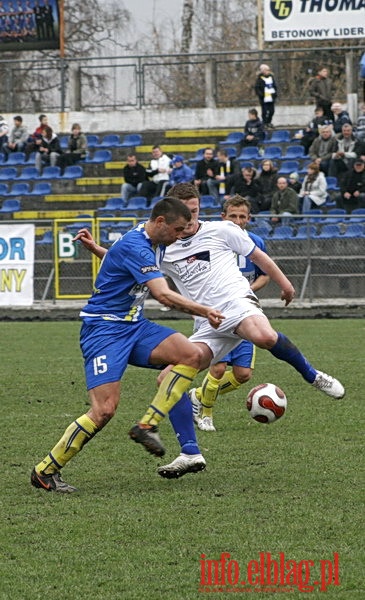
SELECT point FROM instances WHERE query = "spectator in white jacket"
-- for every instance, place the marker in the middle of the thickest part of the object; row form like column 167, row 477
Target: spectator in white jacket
column 158, row 173
column 313, row 192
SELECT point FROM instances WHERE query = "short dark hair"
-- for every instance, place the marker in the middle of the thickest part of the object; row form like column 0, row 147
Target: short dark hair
column 236, row 200
column 184, row 191
column 253, row 111
column 18, row 118
column 171, row 208
column 41, row 117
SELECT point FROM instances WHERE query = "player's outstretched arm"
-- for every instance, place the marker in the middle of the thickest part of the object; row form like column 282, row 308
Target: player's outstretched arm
column 85, row 237
column 161, row 292
column 266, row 264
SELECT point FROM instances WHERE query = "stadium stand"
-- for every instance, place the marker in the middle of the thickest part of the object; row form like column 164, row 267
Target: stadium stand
column 131, row 140
column 28, row 173
column 8, row 173
column 10, row 206
column 235, row 137
column 51, row 173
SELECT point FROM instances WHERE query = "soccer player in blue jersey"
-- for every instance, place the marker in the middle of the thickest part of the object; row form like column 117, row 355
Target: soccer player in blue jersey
column 114, row 332
column 219, row 381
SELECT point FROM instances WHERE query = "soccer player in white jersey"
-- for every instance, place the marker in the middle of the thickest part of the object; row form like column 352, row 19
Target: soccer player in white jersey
column 202, row 264
column 242, row 359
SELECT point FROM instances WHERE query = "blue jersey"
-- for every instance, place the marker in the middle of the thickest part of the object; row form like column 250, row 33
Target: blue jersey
column 120, row 290
column 248, row 268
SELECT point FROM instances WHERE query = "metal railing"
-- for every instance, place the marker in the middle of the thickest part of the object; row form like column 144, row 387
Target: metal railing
column 222, row 79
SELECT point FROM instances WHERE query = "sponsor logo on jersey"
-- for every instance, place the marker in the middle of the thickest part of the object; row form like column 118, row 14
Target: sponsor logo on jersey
column 149, row 269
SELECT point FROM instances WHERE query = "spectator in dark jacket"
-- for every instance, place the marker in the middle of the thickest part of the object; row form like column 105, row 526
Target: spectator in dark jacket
column 207, row 168
column 352, row 188
column 245, row 184
column 341, row 117
column 321, row 88
column 49, row 150
column 254, row 130
column 76, row 147
column 134, row 175
column 267, row 181
column 226, row 167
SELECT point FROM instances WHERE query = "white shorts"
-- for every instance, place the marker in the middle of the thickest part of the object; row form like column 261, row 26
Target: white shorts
column 224, row 339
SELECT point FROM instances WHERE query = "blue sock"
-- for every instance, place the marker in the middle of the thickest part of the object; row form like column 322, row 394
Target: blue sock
column 284, row 349
column 181, row 418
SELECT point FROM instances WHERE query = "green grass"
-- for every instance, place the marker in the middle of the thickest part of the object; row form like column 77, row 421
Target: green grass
column 291, row 487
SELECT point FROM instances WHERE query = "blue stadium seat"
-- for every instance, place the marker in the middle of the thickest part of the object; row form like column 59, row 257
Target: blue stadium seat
column 10, row 206
column 294, row 152
column 329, row 232
column 235, row 137
column 73, row 172
column 314, row 214
column 112, row 204
column 271, row 153
column 335, row 215
column 8, row 173
column 31, row 158
column 208, row 202
column 2, row 158
column 332, row 184
column 282, row 232
column 19, row 189
column 28, row 173
column 4, row 190
column 100, row 156
column 92, row 141
column 16, row 158
column 110, row 141
column 232, row 152
column 249, row 153
column 354, row 230
column 198, row 156
column 304, row 232
column 131, row 140
column 136, row 203
column 262, row 232
column 41, row 188
column 63, row 139
column 304, row 168
column 155, row 200
column 46, row 239
column 288, row 166
column 51, row 173
column 280, row 136
column 358, row 214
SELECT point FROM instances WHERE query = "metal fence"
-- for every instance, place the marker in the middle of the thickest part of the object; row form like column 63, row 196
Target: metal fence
column 222, row 79
column 319, row 267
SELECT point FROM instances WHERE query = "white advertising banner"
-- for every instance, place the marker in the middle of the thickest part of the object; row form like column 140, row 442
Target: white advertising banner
column 293, row 20
column 16, row 265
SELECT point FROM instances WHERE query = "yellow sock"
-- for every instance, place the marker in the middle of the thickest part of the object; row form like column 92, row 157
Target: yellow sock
column 228, row 383
column 209, row 393
column 72, row 441
column 176, row 382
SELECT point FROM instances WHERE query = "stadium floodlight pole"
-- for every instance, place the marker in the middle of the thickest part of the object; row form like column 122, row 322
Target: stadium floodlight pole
column 259, row 25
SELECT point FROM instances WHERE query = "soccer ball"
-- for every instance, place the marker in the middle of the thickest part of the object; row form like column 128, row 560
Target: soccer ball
column 266, row 403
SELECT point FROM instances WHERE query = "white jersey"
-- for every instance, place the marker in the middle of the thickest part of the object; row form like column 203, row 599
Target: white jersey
column 204, row 266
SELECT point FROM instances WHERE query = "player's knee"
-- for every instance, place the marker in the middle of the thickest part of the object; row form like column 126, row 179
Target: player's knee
column 103, row 412
column 265, row 339
column 218, row 370
column 243, row 375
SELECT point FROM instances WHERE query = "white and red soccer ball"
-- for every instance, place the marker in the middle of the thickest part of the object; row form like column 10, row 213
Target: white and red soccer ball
column 266, row 403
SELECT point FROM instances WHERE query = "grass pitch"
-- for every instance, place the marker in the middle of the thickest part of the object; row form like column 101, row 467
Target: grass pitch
column 294, row 487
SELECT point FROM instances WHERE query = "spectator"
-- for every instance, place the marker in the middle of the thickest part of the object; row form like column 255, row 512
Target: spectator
column 18, row 137
column 207, row 168
column 311, row 131
column 49, row 150
column 340, row 117
column 180, row 173
column 267, row 182
column 294, row 183
column 313, row 192
column 134, row 176
column 323, row 147
column 343, row 158
column 158, row 173
column 245, row 184
column 76, row 147
column 4, row 130
column 226, row 167
column 34, row 140
column 352, row 188
column 284, row 202
column 321, row 88
column 266, row 90
column 360, row 124
column 254, row 130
